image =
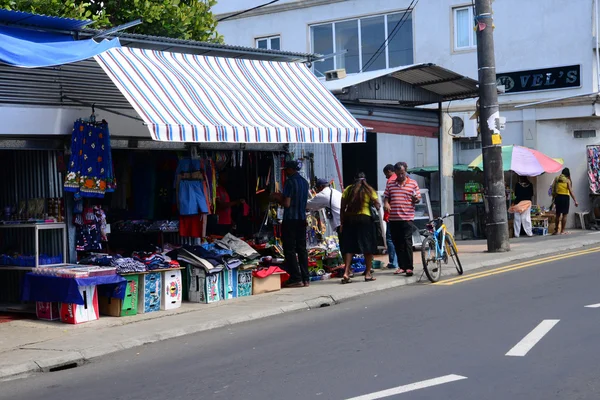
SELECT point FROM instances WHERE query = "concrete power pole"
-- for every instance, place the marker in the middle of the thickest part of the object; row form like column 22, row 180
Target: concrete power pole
column 491, row 141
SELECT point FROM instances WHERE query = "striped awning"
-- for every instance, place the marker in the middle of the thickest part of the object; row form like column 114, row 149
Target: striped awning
column 190, row 98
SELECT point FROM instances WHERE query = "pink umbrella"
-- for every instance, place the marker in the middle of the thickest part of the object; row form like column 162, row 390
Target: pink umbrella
column 524, row 161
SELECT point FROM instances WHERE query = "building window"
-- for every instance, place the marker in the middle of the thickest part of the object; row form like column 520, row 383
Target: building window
column 269, row 43
column 464, row 36
column 470, row 145
column 584, row 134
column 361, row 40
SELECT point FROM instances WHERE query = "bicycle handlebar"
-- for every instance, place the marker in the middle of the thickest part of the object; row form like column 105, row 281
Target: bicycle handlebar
column 444, row 217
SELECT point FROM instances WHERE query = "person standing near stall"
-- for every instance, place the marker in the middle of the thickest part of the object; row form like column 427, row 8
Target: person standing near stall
column 358, row 226
column 400, row 198
column 390, row 175
column 224, row 205
column 522, row 207
column 329, row 199
column 293, row 230
column 562, row 189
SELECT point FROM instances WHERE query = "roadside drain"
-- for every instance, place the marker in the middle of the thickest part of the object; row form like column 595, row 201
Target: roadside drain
column 63, row 367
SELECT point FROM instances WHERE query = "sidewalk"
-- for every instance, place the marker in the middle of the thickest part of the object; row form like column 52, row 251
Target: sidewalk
column 34, row 346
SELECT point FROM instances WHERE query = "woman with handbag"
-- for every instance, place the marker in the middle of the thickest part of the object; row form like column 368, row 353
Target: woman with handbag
column 357, row 226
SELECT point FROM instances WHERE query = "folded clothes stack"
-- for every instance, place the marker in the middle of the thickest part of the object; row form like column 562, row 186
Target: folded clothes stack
column 127, row 265
column 154, row 261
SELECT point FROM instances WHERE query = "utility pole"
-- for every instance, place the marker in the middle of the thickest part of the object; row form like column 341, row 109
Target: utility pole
column 491, row 141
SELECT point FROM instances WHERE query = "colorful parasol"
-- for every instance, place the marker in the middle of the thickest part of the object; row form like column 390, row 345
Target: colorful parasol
column 524, row 161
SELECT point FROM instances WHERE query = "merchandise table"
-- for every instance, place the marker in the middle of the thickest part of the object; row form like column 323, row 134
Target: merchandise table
column 66, row 290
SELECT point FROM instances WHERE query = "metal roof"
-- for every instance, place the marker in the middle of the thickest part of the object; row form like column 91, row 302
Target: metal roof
column 417, row 84
column 20, row 18
column 201, row 48
column 84, row 81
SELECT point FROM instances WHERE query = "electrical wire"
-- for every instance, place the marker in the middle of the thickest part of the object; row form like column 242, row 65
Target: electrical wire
column 248, row 10
column 391, row 35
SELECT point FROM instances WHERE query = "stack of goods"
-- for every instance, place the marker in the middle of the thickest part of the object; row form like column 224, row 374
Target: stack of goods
column 35, row 211
column 593, row 157
column 473, row 192
column 127, row 265
column 218, row 270
column 75, row 271
column 143, row 226
column 325, row 260
column 155, row 261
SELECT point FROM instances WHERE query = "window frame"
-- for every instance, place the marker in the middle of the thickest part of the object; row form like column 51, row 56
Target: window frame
column 268, row 39
column 358, row 19
column 472, row 34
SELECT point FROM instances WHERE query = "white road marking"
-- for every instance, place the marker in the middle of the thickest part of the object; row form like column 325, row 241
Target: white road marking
column 523, row 347
column 409, row 388
column 593, row 306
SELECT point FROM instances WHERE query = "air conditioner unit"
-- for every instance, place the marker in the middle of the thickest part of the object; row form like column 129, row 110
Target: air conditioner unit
column 463, row 126
column 335, row 74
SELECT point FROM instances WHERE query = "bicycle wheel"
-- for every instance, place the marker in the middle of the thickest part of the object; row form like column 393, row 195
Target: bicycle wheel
column 431, row 266
column 453, row 253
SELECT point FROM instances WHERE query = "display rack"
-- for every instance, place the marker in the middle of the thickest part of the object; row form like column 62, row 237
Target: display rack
column 37, row 228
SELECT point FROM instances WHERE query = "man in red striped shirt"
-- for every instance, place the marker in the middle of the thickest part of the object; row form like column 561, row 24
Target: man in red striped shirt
column 400, row 198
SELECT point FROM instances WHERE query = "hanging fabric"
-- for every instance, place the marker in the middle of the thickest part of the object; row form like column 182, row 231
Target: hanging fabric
column 90, row 171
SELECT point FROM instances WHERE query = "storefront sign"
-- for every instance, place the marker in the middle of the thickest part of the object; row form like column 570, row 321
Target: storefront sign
column 540, row 79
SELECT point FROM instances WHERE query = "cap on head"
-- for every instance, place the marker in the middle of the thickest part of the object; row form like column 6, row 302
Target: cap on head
column 322, row 182
column 292, row 164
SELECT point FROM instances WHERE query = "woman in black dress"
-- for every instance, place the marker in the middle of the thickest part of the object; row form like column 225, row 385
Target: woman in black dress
column 357, row 225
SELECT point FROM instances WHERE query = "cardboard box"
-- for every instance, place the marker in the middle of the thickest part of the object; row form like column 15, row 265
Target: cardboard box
column 271, row 283
column 47, row 311
column 122, row 308
column 230, row 284
column 149, row 292
column 172, row 290
column 130, row 302
column 76, row 313
column 109, row 306
column 244, row 283
column 205, row 287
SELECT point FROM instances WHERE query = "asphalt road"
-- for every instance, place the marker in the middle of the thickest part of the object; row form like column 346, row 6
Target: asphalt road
column 377, row 342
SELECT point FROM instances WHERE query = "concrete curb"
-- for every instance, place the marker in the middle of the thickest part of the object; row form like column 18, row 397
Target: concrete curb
column 65, row 359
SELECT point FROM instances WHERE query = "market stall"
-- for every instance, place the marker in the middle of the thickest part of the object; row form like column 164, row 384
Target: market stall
column 519, row 161
column 147, row 221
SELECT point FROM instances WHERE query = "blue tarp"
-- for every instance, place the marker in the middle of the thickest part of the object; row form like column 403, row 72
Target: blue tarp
column 33, row 49
column 66, row 290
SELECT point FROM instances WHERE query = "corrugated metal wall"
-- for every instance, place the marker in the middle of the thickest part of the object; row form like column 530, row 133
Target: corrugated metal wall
column 324, row 164
column 26, row 175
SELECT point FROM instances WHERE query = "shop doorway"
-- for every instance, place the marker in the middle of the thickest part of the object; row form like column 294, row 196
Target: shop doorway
column 360, row 157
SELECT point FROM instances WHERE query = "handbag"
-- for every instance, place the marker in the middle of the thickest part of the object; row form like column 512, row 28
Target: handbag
column 328, row 210
column 374, row 213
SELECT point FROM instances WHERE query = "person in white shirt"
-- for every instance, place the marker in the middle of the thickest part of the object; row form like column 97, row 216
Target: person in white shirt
column 328, row 199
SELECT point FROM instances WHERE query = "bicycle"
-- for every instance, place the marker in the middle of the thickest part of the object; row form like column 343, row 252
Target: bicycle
column 437, row 246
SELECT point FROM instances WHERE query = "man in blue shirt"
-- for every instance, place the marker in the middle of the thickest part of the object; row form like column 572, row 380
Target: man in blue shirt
column 293, row 230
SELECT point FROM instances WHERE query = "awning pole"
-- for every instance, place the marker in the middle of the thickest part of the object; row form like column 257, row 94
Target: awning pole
column 337, row 166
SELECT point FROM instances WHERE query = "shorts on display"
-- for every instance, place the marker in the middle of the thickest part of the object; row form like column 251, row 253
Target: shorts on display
column 191, row 198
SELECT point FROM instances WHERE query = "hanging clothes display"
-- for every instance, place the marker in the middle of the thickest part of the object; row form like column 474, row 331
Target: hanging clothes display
column 593, row 157
column 90, row 171
column 193, row 197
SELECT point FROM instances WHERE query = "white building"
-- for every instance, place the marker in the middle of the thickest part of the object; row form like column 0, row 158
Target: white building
column 545, row 50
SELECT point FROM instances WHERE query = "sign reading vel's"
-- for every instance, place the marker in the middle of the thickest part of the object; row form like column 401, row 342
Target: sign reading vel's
column 540, row 79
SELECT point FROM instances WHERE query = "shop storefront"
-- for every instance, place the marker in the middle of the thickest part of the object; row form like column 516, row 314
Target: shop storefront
column 146, row 222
